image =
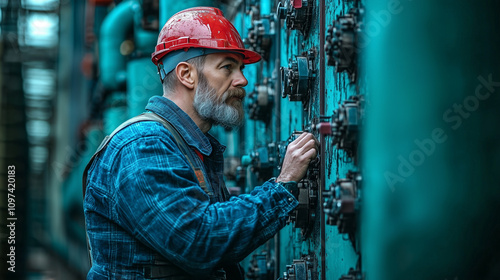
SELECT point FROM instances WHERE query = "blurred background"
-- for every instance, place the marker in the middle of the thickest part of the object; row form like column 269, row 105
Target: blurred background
column 48, row 83
column 45, row 99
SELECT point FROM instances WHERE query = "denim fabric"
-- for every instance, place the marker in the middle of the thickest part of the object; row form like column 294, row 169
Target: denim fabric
column 143, row 204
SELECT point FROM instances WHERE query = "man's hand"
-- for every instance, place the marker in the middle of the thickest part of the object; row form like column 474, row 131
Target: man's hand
column 298, row 156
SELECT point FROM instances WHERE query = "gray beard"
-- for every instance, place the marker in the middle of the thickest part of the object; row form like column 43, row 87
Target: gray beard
column 215, row 110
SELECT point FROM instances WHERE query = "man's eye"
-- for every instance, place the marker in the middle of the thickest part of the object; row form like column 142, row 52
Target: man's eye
column 228, row 66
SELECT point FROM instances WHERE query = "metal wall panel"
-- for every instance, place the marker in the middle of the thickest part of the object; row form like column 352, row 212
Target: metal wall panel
column 331, row 253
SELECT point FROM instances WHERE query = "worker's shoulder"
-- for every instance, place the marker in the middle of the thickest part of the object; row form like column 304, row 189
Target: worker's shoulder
column 134, row 137
column 141, row 131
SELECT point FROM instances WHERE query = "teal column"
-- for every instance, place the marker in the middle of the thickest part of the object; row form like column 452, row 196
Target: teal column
column 431, row 144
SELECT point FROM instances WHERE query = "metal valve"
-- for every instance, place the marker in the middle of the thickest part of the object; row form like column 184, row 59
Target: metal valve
column 260, row 35
column 345, row 125
column 342, row 202
column 297, row 14
column 303, row 269
column 296, row 80
column 341, row 45
column 261, row 102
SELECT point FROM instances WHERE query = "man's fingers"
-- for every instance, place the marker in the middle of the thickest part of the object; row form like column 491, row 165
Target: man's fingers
column 309, row 145
column 298, row 139
column 299, row 155
column 311, row 154
column 303, row 139
column 300, row 147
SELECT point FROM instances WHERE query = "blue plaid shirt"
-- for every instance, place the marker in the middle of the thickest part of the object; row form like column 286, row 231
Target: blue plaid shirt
column 143, row 203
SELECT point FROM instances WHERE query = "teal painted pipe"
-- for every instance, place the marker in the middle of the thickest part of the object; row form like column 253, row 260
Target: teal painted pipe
column 114, row 30
column 431, row 146
column 144, row 40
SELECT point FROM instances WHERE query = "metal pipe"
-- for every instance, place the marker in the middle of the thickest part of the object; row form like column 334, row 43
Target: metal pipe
column 114, row 30
column 322, row 137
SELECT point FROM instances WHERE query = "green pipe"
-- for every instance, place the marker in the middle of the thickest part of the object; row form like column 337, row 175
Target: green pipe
column 144, row 40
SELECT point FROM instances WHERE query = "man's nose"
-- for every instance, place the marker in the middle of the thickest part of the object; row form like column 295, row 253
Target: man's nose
column 240, row 80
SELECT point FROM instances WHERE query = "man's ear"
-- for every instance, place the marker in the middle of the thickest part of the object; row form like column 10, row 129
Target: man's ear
column 186, row 74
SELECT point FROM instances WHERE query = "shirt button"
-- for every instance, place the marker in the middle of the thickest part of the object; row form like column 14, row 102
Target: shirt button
column 290, row 199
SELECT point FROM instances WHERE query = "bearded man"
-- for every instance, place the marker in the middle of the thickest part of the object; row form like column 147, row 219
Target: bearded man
column 156, row 206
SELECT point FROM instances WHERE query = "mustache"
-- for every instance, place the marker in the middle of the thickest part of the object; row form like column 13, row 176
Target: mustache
column 236, row 92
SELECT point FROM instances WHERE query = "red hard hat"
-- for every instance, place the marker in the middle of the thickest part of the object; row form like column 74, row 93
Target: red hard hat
column 200, row 27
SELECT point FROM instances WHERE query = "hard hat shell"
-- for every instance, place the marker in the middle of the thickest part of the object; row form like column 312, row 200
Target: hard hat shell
column 200, row 27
